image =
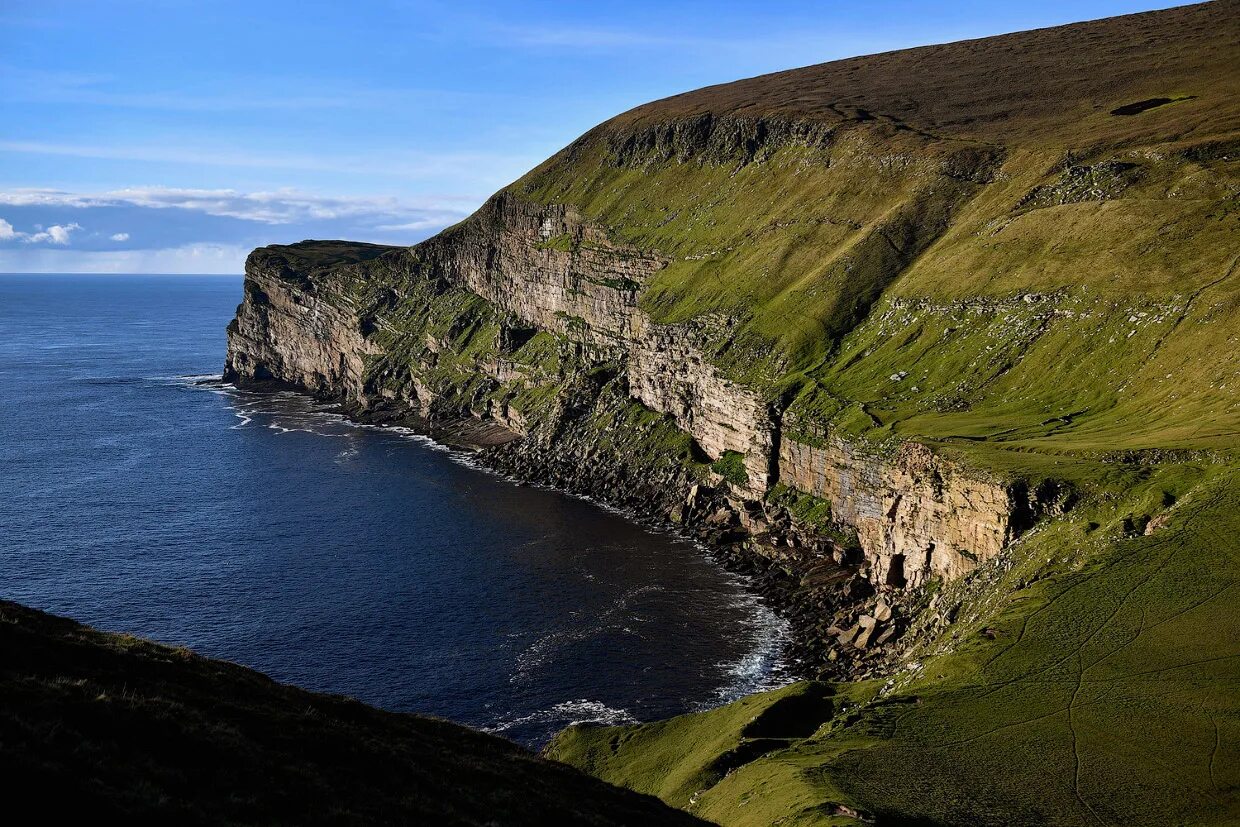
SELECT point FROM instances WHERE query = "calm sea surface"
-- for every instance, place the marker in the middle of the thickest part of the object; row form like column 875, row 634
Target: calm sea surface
column 267, row 530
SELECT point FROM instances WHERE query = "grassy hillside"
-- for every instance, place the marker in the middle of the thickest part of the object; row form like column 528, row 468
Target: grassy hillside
column 1023, row 252
column 121, row 730
column 1092, row 683
column 1036, row 232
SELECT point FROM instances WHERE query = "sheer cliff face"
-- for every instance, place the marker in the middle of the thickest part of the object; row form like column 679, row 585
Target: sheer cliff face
column 755, row 293
column 554, row 271
column 916, row 515
column 296, row 333
column 546, row 269
column 549, row 268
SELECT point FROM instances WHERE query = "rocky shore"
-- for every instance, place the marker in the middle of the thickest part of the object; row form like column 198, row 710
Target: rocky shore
column 518, row 333
column 840, row 627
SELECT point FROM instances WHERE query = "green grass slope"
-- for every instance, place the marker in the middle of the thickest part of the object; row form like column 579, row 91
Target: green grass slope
column 118, row 730
column 1021, row 251
column 1036, row 230
column 1093, row 683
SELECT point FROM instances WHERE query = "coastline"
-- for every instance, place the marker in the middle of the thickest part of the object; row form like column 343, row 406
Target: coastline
column 799, row 593
column 468, row 443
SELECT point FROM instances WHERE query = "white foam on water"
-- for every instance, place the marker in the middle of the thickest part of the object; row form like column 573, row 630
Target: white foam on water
column 468, row 460
column 763, row 667
column 567, row 713
column 413, row 436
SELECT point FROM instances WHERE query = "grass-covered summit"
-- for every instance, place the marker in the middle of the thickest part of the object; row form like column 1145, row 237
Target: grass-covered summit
column 1036, row 232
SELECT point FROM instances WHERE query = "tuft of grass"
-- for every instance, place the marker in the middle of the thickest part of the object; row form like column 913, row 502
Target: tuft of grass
column 731, row 466
column 561, row 243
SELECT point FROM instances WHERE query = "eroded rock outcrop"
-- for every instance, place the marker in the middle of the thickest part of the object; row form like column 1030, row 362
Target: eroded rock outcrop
column 557, row 272
column 669, row 372
column 549, row 267
column 916, row 515
column 293, row 329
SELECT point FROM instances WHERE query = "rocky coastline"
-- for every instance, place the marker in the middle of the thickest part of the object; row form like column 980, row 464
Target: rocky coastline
column 936, row 347
column 839, row 626
column 816, row 585
column 519, row 332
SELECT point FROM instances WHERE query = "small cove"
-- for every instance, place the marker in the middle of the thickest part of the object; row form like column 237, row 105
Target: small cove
column 268, row 530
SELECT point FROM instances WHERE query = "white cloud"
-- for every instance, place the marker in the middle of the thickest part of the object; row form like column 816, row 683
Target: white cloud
column 55, row 234
column 430, row 222
column 285, row 206
column 483, row 169
column 186, row 259
column 184, row 230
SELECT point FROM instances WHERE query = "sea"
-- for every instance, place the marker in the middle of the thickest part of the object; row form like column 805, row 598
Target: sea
column 137, row 495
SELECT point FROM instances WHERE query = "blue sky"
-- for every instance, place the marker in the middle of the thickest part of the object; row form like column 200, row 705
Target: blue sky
column 173, row 136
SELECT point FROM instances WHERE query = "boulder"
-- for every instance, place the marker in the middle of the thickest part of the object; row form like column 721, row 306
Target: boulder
column 868, row 626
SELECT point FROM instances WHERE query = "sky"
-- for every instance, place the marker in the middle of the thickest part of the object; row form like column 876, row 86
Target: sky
column 174, row 136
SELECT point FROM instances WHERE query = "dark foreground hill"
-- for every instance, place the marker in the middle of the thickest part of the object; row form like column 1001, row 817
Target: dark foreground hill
column 121, row 730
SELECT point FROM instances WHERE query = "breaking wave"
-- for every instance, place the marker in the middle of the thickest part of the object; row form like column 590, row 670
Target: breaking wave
column 565, row 714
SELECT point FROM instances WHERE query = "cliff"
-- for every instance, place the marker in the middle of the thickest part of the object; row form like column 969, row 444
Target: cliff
column 801, row 288
column 115, row 729
column 906, row 335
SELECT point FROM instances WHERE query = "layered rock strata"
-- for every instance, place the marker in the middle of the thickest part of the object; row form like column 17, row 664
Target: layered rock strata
column 286, row 331
column 917, row 516
column 343, row 329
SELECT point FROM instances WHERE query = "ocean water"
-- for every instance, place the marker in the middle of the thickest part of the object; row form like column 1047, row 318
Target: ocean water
column 268, row 530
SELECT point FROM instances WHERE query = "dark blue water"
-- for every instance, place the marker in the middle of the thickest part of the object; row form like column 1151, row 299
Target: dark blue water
column 269, row 531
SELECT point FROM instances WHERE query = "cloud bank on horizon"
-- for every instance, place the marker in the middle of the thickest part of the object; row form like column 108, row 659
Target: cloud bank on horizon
column 176, row 137
column 181, row 230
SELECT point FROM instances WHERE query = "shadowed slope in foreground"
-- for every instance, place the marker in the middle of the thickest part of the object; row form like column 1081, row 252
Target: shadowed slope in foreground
column 119, row 727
